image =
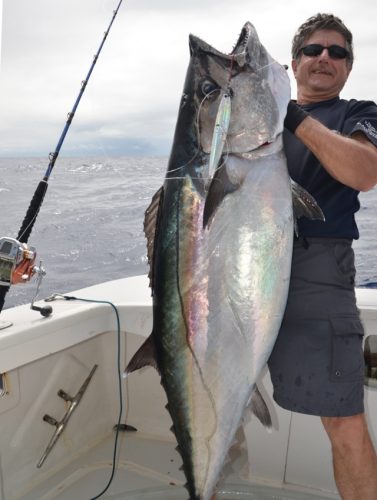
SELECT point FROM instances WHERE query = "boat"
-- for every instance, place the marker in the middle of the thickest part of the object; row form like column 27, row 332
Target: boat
column 60, row 400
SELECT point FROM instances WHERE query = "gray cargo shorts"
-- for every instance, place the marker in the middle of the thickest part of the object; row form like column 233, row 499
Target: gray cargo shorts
column 317, row 364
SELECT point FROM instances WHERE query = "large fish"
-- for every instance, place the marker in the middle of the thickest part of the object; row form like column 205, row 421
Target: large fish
column 220, row 235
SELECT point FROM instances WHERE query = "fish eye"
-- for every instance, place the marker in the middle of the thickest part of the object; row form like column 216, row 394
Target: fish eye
column 208, row 87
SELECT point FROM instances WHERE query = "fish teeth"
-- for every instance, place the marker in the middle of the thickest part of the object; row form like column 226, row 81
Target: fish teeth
column 242, row 40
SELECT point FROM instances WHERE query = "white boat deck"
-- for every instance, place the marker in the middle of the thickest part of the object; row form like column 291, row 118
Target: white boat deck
column 40, row 356
column 147, row 468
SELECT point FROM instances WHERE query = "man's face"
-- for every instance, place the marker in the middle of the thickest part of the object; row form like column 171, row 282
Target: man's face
column 321, row 77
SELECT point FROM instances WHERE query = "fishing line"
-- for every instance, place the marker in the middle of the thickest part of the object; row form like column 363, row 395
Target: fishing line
column 185, row 313
column 41, row 190
column 38, row 197
column 180, row 167
column 197, row 119
column 197, row 138
column 221, row 165
column 119, row 376
column 230, row 69
column 187, row 328
column 271, row 64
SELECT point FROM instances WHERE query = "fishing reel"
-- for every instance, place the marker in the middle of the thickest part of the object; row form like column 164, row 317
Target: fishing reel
column 17, row 265
column 16, row 262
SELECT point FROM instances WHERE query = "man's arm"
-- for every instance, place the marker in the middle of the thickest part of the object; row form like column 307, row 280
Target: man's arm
column 350, row 160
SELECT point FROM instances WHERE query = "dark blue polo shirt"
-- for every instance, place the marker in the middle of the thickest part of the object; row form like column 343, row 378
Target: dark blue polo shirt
column 338, row 202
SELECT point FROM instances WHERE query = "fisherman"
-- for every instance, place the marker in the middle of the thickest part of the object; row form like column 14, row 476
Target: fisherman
column 317, row 365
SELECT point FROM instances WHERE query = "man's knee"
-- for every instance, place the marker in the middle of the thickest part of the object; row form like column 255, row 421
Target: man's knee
column 348, row 432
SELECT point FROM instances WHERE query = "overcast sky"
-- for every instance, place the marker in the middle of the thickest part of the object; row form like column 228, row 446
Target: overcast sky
column 130, row 105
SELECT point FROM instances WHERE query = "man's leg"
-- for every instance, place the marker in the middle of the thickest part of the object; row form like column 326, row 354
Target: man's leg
column 354, row 457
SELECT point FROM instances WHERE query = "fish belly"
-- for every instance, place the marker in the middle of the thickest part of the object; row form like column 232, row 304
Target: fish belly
column 220, row 309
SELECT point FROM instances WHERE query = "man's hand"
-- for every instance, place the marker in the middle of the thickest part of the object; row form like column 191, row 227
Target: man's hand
column 295, row 115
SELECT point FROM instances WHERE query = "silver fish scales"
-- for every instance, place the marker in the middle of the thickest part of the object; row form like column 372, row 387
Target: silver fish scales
column 220, row 236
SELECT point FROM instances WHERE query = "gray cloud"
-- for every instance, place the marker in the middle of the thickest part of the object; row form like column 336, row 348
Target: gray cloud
column 132, row 99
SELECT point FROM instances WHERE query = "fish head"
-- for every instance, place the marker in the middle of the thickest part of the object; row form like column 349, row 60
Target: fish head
column 259, row 88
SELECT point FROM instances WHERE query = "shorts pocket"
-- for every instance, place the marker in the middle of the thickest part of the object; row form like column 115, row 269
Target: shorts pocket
column 347, row 358
column 345, row 262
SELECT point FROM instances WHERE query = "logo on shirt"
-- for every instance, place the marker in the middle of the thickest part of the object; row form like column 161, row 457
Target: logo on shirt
column 368, row 128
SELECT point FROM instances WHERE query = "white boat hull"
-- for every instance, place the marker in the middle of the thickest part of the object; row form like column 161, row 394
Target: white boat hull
column 39, row 356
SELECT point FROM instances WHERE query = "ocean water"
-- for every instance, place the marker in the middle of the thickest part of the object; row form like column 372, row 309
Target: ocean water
column 90, row 227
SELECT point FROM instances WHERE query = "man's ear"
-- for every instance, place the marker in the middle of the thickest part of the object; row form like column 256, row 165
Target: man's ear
column 294, row 64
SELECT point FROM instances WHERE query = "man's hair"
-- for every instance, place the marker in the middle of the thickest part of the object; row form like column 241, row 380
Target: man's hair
column 321, row 22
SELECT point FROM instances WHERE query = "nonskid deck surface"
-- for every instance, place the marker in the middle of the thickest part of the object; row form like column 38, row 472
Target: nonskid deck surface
column 147, row 468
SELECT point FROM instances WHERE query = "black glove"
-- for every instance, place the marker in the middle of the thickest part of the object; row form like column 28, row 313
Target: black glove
column 295, row 115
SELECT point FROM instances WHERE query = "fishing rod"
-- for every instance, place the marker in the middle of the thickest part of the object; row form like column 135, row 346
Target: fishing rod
column 16, row 258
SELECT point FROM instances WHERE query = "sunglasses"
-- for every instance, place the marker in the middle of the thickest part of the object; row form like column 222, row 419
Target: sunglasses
column 315, row 49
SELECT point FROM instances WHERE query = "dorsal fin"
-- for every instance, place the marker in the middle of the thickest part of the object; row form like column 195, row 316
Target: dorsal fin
column 151, row 217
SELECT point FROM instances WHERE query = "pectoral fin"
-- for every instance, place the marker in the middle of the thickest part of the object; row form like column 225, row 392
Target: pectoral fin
column 304, row 205
column 220, row 186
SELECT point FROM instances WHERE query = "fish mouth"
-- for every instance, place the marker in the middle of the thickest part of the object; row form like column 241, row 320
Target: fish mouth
column 266, row 148
column 243, row 40
column 268, row 140
column 239, row 51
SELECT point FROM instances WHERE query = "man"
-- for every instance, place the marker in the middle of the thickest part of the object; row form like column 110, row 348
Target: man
column 317, row 362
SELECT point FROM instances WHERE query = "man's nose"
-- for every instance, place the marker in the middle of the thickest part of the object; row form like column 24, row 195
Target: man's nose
column 324, row 54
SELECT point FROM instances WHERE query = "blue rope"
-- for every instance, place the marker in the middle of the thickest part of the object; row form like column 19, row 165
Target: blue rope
column 67, row 297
